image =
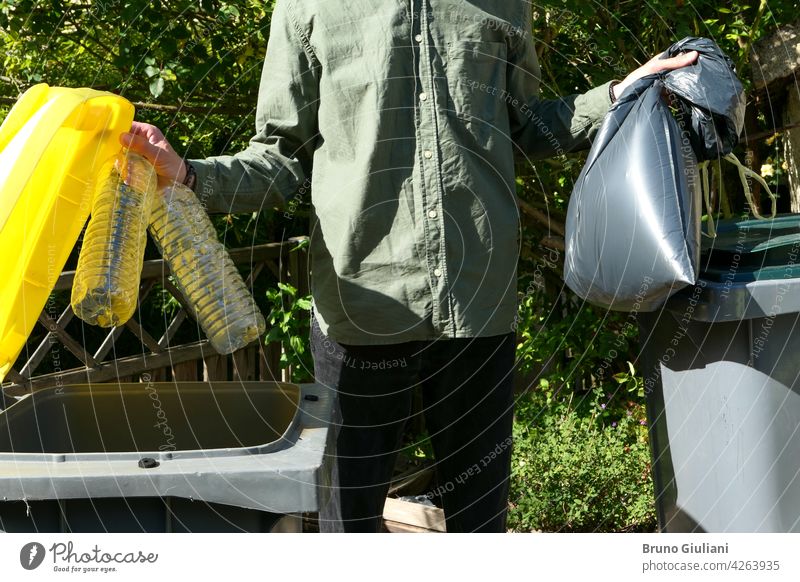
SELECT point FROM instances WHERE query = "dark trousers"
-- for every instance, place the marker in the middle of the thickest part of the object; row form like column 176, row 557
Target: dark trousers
column 467, row 399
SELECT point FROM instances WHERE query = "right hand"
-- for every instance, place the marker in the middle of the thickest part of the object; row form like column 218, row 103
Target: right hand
column 149, row 142
column 655, row 65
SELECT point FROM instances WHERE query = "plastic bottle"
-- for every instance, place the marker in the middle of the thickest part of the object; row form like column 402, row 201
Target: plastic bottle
column 106, row 286
column 203, row 270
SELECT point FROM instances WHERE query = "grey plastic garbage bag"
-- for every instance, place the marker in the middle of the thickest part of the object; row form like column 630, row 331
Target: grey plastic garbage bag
column 633, row 223
column 709, row 95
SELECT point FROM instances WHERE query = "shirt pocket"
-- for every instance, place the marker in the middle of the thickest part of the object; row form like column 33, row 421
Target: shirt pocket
column 476, row 81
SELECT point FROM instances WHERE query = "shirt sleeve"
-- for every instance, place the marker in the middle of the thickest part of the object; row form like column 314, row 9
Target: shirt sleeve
column 278, row 159
column 548, row 127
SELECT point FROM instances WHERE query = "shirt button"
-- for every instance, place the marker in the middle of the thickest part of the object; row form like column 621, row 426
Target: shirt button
column 433, row 214
column 428, row 154
column 437, row 271
column 418, row 38
column 423, row 96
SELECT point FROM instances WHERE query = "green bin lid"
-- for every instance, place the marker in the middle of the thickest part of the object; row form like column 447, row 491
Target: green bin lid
column 753, row 250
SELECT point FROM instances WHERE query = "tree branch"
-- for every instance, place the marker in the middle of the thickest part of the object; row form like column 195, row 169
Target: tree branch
column 540, row 217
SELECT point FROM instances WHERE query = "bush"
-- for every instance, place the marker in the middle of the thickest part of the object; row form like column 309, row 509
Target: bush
column 581, row 457
column 575, row 470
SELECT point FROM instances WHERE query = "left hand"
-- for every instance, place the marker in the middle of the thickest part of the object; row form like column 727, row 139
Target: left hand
column 655, row 65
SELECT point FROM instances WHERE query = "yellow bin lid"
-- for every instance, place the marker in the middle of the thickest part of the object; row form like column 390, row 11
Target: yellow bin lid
column 51, row 144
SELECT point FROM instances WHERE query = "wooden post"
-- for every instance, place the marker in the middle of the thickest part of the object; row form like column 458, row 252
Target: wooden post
column 776, row 58
column 185, row 371
column 298, row 270
column 269, row 364
column 776, row 66
column 215, row 368
column 403, row 516
column 791, row 145
column 299, row 278
column 274, row 360
column 244, row 364
column 157, row 375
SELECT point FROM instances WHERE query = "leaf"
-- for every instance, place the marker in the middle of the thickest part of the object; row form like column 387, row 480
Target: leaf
column 273, row 335
column 304, row 243
column 229, row 12
column 151, row 71
column 156, row 87
column 288, row 289
column 296, row 343
column 169, row 45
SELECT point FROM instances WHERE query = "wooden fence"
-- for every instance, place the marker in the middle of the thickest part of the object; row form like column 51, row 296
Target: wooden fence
column 162, row 359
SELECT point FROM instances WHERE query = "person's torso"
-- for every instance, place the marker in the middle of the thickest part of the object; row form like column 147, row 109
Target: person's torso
column 416, row 232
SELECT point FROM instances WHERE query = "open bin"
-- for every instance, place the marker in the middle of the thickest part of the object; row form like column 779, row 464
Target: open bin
column 721, row 365
column 164, row 457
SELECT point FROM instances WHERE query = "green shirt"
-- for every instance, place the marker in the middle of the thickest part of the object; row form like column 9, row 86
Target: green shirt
column 411, row 114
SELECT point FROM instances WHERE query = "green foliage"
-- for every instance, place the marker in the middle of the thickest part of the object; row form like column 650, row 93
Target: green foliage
column 580, row 467
column 417, row 446
column 191, row 67
column 581, row 454
column 572, row 344
column 288, row 323
column 205, row 55
column 583, row 42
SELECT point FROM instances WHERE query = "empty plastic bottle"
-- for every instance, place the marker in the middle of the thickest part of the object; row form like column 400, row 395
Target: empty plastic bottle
column 106, row 286
column 203, row 270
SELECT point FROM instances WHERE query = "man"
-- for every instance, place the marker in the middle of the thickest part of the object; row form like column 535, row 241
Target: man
column 411, row 115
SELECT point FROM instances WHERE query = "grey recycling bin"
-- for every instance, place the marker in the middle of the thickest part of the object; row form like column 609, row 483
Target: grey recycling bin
column 164, row 457
column 721, row 364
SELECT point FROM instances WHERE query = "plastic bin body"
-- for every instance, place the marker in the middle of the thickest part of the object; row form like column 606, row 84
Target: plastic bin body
column 721, row 366
column 230, row 456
